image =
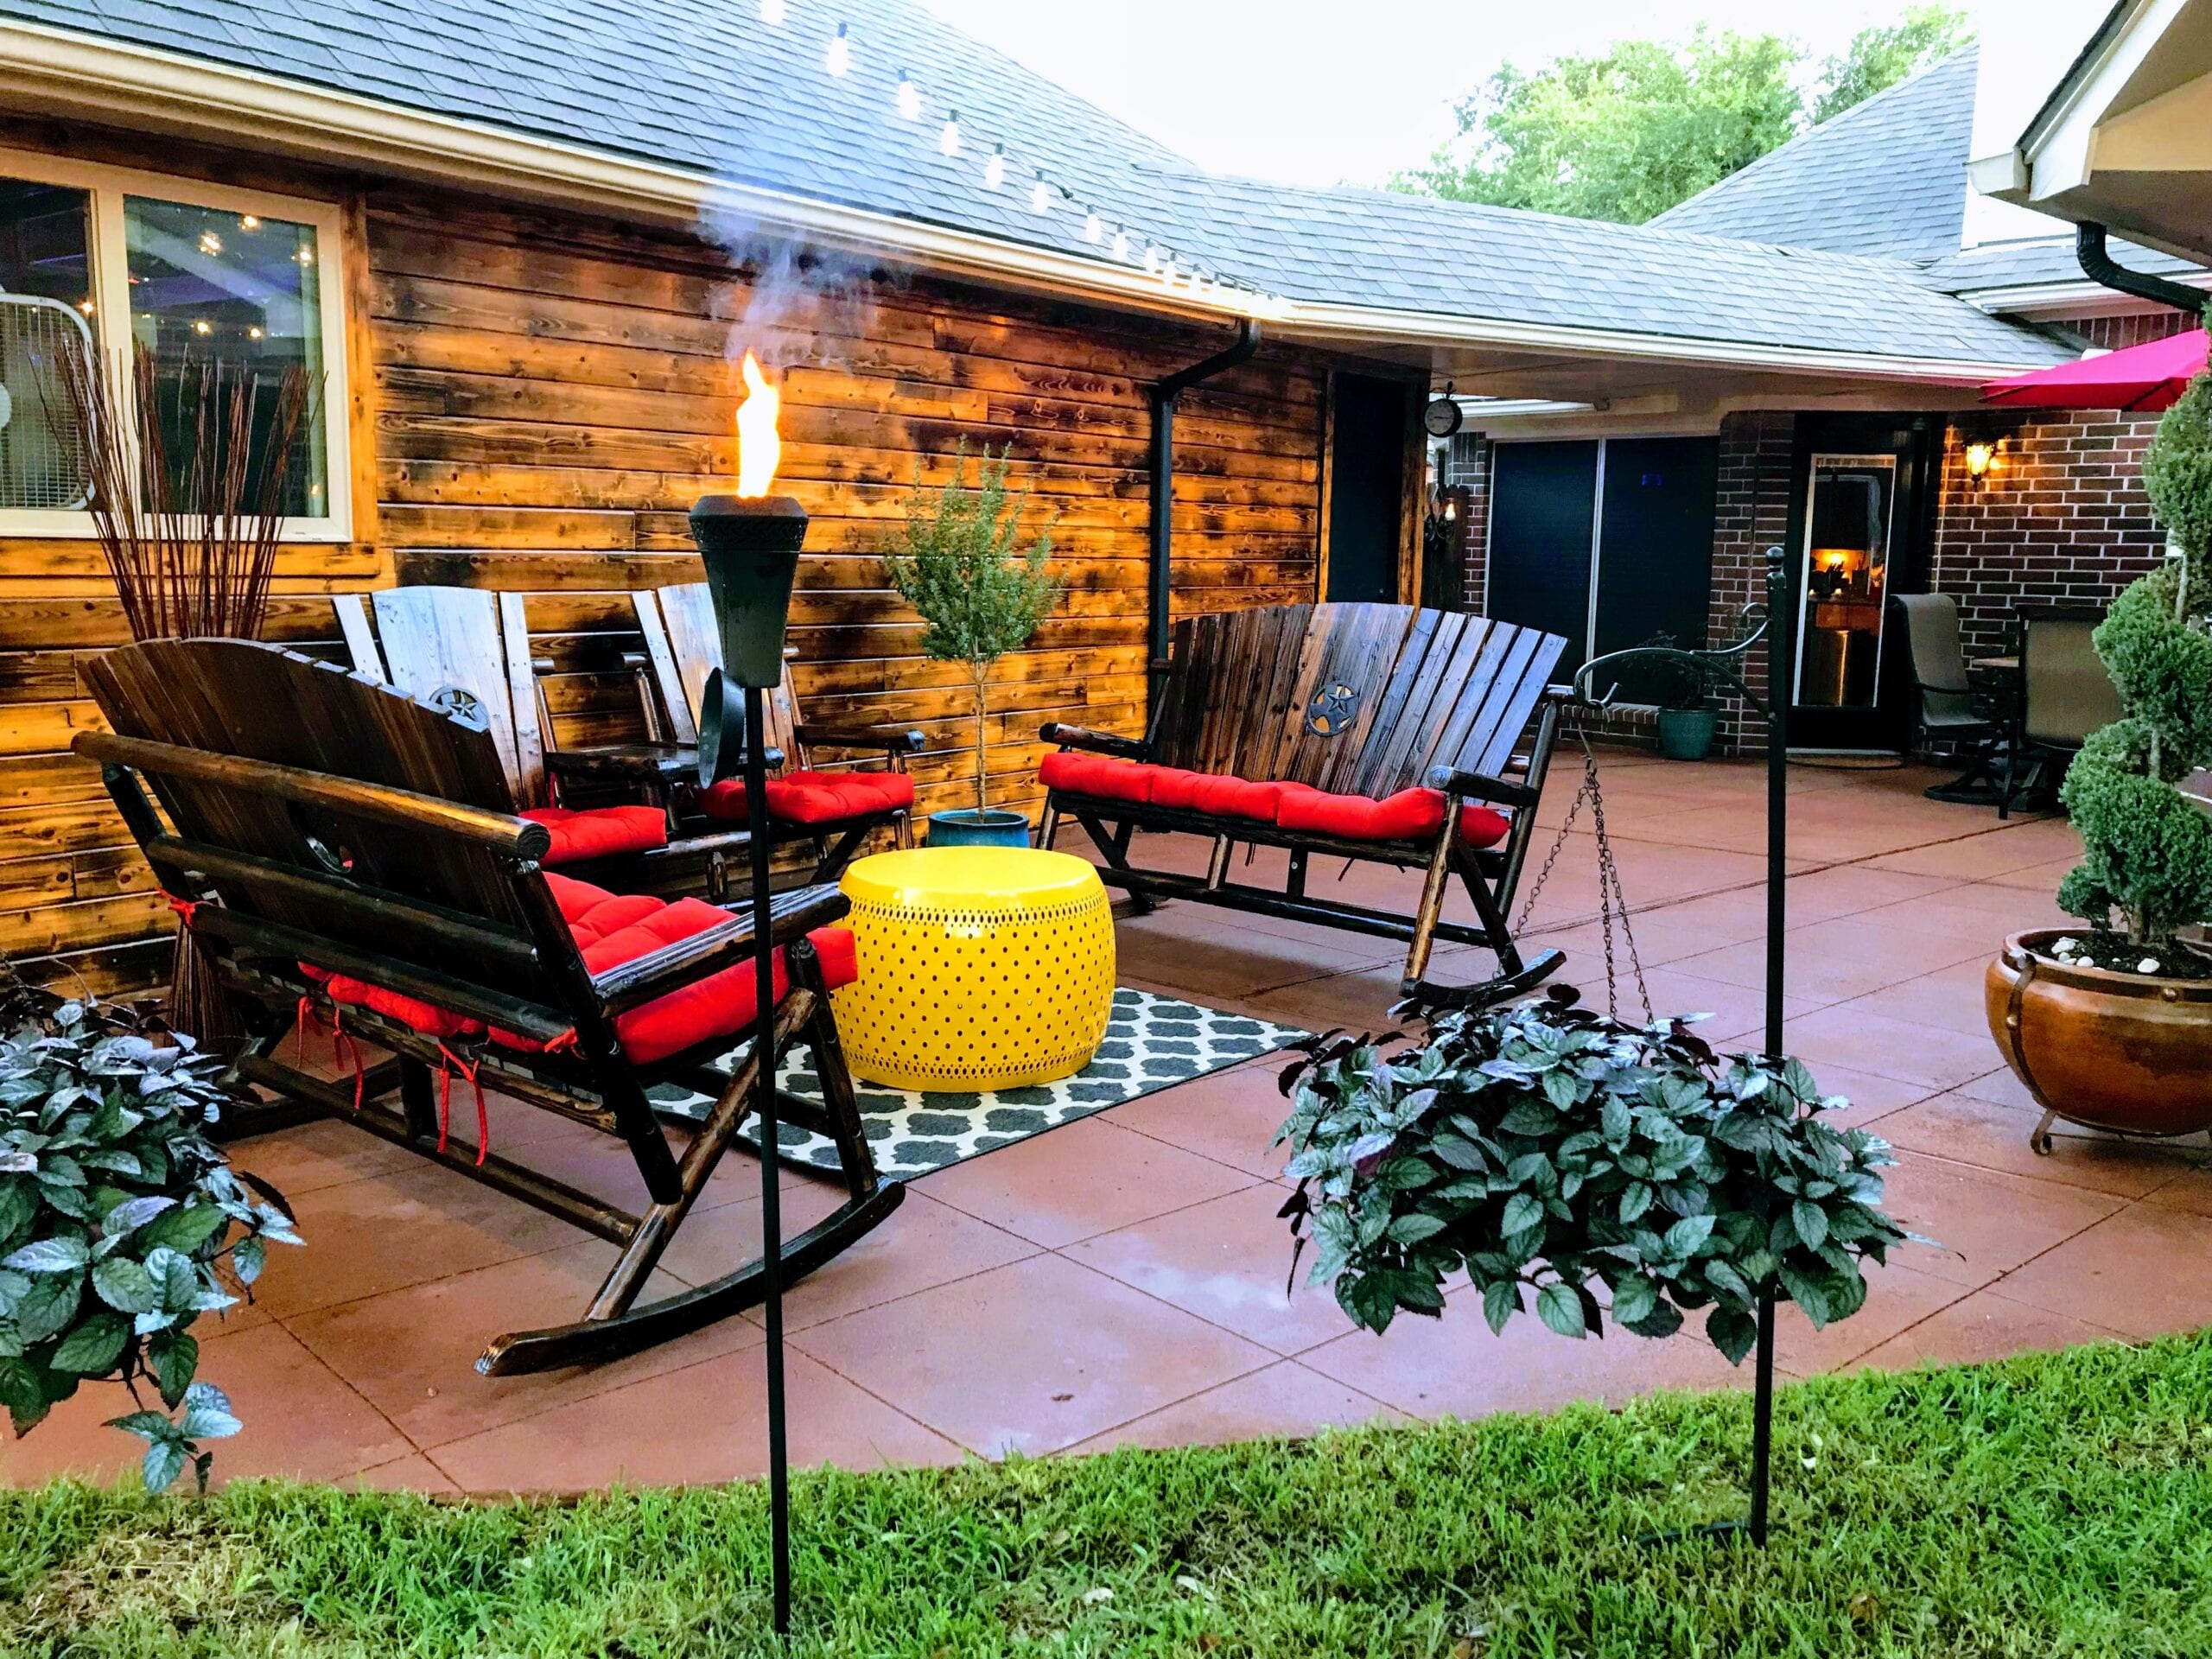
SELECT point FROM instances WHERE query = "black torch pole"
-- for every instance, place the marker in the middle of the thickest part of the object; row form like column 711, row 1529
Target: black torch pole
column 764, row 1086
column 1781, row 631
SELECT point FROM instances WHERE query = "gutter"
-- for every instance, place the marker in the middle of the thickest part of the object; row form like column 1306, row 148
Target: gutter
column 2098, row 264
column 57, row 73
column 1163, row 396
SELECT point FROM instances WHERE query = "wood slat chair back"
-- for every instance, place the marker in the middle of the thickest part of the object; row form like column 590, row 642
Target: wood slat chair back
column 318, row 819
column 457, row 648
column 682, row 647
column 1362, row 699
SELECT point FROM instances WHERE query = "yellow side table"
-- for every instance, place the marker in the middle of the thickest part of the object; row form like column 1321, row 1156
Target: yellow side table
column 980, row 968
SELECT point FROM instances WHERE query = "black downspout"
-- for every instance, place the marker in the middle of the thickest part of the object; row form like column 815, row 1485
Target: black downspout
column 2099, row 266
column 1164, row 394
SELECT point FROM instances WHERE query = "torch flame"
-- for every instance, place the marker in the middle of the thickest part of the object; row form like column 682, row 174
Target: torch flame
column 759, row 448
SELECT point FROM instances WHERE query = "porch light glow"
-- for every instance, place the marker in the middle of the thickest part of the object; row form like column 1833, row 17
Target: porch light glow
column 910, row 99
column 948, row 142
column 840, row 52
column 759, row 446
column 248, row 222
column 1980, row 455
column 994, row 168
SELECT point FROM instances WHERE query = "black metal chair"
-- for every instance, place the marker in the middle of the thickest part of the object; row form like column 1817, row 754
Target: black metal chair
column 1951, row 711
column 2065, row 694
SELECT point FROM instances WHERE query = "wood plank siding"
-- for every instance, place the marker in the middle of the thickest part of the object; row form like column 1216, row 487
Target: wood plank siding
column 538, row 400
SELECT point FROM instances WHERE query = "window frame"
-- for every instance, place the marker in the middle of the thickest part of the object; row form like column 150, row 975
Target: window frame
column 108, row 186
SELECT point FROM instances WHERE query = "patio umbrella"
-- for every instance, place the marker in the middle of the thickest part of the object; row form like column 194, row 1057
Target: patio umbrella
column 2148, row 378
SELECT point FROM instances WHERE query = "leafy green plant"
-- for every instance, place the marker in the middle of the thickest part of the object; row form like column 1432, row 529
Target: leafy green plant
column 1544, row 1150
column 2147, row 849
column 964, row 567
column 120, row 1222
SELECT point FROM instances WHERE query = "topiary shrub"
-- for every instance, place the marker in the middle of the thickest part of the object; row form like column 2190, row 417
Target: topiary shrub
column 1547, row 1152
column 2147, row 849
column 120, row 1222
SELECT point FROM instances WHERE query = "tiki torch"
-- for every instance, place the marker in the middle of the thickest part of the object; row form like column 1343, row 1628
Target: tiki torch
column 750, row 543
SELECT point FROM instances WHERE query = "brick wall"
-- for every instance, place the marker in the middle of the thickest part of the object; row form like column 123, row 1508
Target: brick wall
column 2136, row 328
column 1466, row 471
column 2059, row 518
column 1751, row 513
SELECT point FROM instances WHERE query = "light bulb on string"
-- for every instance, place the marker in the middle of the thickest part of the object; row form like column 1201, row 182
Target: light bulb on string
column 1094, row 228
column 1040, row 194
column 772, row 13
column 840, row 52
column 948, row 142
column 1120, row 242
column 994, row 168
column 910, row 99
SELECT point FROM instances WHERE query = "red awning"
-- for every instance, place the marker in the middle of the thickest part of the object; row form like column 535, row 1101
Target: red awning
column 2150, row 376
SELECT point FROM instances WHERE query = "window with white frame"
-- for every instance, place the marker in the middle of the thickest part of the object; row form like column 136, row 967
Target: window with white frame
column 186, row 273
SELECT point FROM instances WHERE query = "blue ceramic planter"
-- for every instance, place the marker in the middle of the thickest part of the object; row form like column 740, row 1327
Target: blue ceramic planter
column 969, row 828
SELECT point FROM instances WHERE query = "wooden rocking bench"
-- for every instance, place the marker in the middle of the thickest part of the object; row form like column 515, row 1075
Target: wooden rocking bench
column 1377, row 733
column 336, row 845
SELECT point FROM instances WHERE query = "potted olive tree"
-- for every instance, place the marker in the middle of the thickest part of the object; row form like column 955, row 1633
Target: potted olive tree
column 2111, row 1024
column 963, row 565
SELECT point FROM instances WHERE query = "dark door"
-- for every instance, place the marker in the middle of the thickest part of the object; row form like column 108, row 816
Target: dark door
column 1655, row 548
column 1367, row 487
column 1861, row 523
column 1543, row 505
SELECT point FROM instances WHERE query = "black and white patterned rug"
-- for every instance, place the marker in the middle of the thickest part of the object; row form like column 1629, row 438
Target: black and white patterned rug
column 1151, row 1043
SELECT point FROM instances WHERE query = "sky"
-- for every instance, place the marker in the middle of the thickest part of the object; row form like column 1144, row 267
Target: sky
column 1329, row 92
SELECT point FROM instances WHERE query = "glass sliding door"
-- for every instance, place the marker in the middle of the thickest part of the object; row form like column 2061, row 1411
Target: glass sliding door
column 1843, row 580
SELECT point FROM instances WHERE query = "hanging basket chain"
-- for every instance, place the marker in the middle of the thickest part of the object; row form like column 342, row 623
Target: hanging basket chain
column 1611, row 901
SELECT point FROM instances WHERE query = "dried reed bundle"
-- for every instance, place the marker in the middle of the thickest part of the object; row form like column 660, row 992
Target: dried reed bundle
column 191, row 538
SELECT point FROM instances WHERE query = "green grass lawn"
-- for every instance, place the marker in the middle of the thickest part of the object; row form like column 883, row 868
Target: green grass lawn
column 2044, row 1506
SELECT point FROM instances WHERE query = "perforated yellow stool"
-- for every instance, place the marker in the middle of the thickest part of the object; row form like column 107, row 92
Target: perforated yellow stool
column 980, row 968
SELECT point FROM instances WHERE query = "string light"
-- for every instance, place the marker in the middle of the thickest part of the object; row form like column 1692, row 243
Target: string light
column 248, row 222
column 210, row 243
column 1040, row 194
column 85, row 306
column 910, row 98
column 948, row 142
column 253, row 333
column 772, row 13
column 840, row 52
column 203, row 327
column 994, row 169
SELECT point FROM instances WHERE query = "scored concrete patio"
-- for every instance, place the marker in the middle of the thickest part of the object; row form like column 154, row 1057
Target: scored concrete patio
column 1121, row 1279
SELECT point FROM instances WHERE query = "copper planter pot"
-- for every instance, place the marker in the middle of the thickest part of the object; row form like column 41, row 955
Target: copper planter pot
column 2129, row 1053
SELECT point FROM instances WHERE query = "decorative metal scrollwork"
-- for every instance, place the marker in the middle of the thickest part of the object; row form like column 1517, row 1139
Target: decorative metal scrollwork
column 1333, row 710
column 461, row 703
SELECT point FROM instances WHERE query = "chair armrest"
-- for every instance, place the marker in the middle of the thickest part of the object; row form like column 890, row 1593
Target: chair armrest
column 862, row 737
column 640, row 763
column 1480, row 786
column 1081, row 737
column 792, row 915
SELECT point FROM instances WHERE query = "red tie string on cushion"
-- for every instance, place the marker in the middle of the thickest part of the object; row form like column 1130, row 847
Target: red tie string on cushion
column 449, row 1062
column 342, row 1046
column 184, row 907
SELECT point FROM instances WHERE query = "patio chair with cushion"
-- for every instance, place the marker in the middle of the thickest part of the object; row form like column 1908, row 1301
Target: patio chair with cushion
column 1375, row 733
column 835, row 809
column 1950, row 710
column 350, row 859
column 2065, row 694
column 467, row 649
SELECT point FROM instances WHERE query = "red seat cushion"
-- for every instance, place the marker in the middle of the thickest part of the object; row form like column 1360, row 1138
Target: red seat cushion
column 1410, row 815
column 1105, row 776
column 601, row 832
column 611, row 929
column 816, row 797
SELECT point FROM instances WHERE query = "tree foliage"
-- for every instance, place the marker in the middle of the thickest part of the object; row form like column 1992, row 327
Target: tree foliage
column 1597, row 1167
column 120, row 1223
column 1636, row 129
column 962, row 566
column 2146, row 848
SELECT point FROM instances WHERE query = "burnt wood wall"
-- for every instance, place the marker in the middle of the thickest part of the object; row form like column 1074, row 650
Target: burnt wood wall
column 538, row 400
